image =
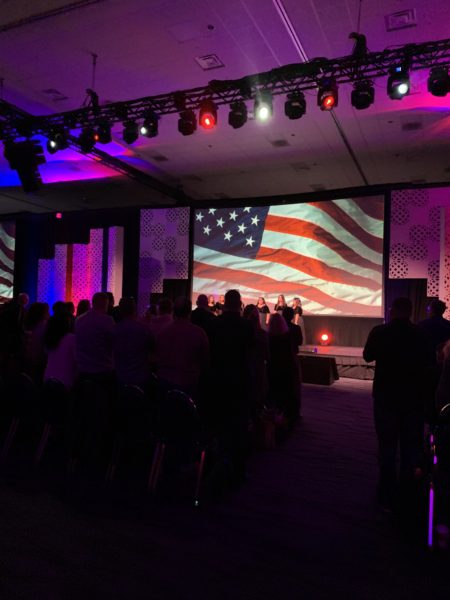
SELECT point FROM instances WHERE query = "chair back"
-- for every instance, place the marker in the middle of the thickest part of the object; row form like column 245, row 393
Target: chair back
column 177, row 418
column 133, row 414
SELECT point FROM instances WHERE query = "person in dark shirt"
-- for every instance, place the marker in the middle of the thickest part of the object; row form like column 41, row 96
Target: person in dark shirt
column 281, row 303
column 232, row 342
column 402, row 357
column 202, row 315
column 220, row 305
column 436, row 326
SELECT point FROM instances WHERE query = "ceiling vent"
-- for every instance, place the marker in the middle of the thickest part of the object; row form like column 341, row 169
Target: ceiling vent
column 209, row 61
column 280, row 143
column 412, row 126
column 401, row 20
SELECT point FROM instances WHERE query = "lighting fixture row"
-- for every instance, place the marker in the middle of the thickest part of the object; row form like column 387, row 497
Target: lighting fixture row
column 362, row 96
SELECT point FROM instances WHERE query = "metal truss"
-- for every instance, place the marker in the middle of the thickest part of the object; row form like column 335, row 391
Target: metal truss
column 282, row 80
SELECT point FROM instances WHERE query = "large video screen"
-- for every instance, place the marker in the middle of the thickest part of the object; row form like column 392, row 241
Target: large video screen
column 7, row 249
column 328, row 253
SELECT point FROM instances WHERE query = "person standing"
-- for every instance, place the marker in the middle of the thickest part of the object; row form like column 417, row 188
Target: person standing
column 402, row 356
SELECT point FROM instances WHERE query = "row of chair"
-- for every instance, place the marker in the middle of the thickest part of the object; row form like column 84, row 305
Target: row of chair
column 96, row 418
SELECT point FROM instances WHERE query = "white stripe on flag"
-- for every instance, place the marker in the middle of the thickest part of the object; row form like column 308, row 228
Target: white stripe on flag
column 6, row 275
column 6, row 261
column 8, row 240
column 365, row 221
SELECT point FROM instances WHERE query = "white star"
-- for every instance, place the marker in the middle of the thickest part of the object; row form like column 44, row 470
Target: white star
column 199, row 217
column 250, row 241
column 207, row 230
column 211, row 211
column 255, row 220
column 242, row 228
column 233, row 215
column 220, row 222
column 228, row 236
column 247, row 209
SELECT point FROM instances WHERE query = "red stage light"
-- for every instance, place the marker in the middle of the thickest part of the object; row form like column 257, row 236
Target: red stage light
column 328, row 102
column 59, row 215
column 208, row 114
column 324, row 339
column 208, row 121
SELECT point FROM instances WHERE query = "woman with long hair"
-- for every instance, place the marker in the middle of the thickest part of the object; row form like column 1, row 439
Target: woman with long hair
column 83, row 307
column 263, row 309
column 281, row 303
column 60, row 346
column 298, row 315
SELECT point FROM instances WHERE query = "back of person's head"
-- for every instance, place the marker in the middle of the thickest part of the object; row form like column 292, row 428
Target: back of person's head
column 437, row 308
column 83, row 306
column 38, row 311
column 202, row 301
column 401, row 308
column 100, row 302
column 70, row 308
column 165, row 306
column 182, row 308
column 60, row 307
column 277, row 325
column 127, row 307
column 58, row 326
column 251, row 313
column 233, row 301
column 288, row 314
column 23, row 299
column 110, row 300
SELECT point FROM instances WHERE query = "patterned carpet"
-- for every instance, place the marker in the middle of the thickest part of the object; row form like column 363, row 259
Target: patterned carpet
column 304, row 525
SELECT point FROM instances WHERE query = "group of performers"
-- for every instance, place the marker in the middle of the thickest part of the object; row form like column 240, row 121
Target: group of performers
column 296, row 304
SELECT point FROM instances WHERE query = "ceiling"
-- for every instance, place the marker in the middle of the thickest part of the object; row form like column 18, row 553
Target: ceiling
column 149, row 47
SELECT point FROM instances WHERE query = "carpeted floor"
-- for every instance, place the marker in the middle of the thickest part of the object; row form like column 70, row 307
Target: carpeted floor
column 305, row 525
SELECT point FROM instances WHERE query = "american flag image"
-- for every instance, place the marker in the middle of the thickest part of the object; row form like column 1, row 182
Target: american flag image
column 7, row 248
column 328, row 253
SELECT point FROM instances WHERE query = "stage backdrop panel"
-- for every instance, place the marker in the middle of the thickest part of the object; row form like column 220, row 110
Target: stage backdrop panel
column 328, row 253
column 164, row 250
column 7, row 251
column 415, row 236
column 77, row 271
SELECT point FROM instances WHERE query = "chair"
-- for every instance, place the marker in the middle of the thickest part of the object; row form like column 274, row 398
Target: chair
column 21, row 394
column 178, row 426
column 54, row 403
column 132, row 423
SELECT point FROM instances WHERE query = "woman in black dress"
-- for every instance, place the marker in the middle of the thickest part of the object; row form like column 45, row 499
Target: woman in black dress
column 220, row 304
column 298, row 318
column 281, row 303
column 263, row 309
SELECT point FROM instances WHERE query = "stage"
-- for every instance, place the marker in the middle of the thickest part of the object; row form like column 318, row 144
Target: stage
column 325, row 364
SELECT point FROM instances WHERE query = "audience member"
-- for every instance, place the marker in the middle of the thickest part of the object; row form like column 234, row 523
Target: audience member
column 283, row 370
column 60, row 307
column 132, row 342
column 436, row 326
column 35, row 326
column 12, row 334
column 59, row 344
column 294, row 330
column 232, row 340
column 401, row 352
column 83, row 307
column 94, row 335
column 164, row 317
column 202, row 315
column 259, row 359
column 182, row 350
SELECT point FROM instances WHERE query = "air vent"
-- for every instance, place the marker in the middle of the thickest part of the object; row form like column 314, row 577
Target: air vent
column 159, row 157
column 54, row 94
column 192, row 178
column 401, row 20
column 412, row 126
column 280, row 143
column 209, row 61
column 301, row 166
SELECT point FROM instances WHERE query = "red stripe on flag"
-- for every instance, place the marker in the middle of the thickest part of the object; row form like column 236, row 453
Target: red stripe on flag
column 266, row 285
column 346, row 222
column 317, row 233
column 370, row 206
column 5, row 282
column 6, row 251
column 315, row 268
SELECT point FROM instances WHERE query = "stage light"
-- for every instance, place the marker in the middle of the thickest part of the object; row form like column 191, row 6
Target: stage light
column 87, row 139
column 327, row 94
column 398, row 83
column 187, row 123
column 295, row 105
column 324, row 339
column 104, row 132
column 130, row 132
column 149, row 127
column 263, row 105
column 59, row 215
column 57, row 140
column 25, row 157
column 439, row 81
column 207, row 116
column 237, row 117
column 363, row 94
